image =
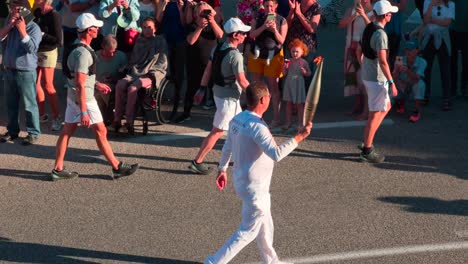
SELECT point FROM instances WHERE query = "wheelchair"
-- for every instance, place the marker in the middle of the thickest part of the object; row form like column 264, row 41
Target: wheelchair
column 157, row 100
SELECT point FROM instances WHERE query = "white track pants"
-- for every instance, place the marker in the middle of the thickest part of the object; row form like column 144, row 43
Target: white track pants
column 257, row 223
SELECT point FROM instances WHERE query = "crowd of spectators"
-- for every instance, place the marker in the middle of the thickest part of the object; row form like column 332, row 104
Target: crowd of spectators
column 189, row 30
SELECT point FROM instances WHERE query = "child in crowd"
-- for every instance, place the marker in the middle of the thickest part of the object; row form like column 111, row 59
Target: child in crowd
column 408, row 74
column 294, row 92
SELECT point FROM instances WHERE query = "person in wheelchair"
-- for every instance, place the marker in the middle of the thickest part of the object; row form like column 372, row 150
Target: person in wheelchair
column 147, row 66
column 111, row 63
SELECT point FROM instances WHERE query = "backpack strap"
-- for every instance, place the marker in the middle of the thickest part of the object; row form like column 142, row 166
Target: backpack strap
column 218, row 57
column 367, row 50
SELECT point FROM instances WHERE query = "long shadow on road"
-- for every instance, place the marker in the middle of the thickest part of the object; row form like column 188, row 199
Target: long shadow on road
column 38, row 253
column 427, row 205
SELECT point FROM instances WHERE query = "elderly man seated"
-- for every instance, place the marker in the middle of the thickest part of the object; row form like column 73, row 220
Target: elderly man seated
column 147, row 64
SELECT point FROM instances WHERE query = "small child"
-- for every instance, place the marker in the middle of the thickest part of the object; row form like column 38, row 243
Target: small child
column 408, row 74
column 294, row 92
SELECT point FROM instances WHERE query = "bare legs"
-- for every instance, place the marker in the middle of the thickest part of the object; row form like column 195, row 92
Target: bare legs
column 208, row 144
column 46, row 76
column 373, row 124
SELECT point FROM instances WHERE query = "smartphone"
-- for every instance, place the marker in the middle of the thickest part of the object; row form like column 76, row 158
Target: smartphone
column 399, row 60
column 270, row 17
column 205, row 13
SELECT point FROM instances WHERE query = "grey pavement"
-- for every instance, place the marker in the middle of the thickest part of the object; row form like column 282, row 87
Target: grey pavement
column 327, row 207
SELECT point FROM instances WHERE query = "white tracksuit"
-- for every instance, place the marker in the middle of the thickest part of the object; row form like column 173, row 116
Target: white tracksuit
column 254, row 152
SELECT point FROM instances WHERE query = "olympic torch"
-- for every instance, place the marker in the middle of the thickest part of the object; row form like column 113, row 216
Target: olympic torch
column 313, row 94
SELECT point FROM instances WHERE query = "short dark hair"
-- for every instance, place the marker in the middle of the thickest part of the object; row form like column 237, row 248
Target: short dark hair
column 254, row 92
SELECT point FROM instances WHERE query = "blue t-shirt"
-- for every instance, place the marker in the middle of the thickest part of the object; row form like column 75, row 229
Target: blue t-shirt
column 173, row 30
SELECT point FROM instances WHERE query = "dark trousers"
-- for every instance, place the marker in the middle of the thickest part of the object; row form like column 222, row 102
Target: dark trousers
column 429, row 54
column 393, row 48
column 459, row 43
column 177, row 53
column 195, row 68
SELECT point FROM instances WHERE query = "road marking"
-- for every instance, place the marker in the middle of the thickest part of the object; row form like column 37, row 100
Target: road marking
column 381, row 252
column 169, row 137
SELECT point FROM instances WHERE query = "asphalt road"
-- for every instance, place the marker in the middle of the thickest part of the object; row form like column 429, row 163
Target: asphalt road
column 327, row 207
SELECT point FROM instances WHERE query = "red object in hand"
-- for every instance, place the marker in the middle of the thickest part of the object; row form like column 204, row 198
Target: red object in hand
column 286, row 62
column 221, row 181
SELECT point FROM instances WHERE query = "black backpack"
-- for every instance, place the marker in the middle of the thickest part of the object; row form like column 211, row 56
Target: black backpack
column 218, row 57
column 366, row 38
column 66, row 52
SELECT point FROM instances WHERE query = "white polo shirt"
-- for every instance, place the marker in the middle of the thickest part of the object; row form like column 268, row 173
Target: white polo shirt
column 254, row 152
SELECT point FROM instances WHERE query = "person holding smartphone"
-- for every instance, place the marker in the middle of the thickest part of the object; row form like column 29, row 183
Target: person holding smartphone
column 270, row 28
column 408, row 74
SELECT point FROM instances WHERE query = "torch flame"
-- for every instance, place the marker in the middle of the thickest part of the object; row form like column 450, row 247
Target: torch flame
column 318, row 60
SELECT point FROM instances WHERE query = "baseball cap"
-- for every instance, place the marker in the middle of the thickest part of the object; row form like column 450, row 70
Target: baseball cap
column 234, row 24
column 383, row 7
column 412, row 44
column 87, row 20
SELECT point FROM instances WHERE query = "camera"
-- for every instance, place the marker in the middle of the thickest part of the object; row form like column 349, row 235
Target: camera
column 205, row 13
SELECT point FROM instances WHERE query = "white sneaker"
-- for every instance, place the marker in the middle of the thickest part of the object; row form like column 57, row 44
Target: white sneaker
column 44, row 118
column 57, row 124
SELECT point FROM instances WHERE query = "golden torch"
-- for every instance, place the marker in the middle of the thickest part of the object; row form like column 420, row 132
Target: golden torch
column 313, row 94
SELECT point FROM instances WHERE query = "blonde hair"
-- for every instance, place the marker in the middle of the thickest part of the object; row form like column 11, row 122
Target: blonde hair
column 298, row 43
column 196, row 9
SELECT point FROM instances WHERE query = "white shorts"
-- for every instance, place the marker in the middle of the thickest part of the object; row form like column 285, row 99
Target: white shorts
column 226, row 109
column 377, row 96
column 73, row 112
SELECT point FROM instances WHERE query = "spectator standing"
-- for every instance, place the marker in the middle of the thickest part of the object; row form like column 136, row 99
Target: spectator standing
column 355, row 20
column 20, row 41
column 438, row 15
column 275, row 29
column 376, row 77
column 204, row 31
column 303, row 20
column 50, row 24
column 459, row 41
column 120, row 19
column 254, row 151
column 147, row 66
column 408, row 74
column 219, row 18
column 394, row 31
column 171, row 16
column 110, row 65
column 226, row 66
column 82, row 107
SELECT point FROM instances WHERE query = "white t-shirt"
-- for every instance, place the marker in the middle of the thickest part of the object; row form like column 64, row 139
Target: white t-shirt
column 254, row 151
column 439, row 12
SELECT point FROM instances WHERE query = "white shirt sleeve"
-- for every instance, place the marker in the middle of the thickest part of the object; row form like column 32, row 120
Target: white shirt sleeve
column 263, row 138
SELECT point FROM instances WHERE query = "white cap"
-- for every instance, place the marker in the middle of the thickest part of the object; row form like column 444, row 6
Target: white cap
column 234, row 24
column 383, row 7
column 87, row 20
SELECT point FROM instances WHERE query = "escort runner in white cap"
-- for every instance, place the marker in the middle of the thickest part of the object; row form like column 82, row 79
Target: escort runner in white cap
column 377, row 77
column 82, row 107
column 226, row 65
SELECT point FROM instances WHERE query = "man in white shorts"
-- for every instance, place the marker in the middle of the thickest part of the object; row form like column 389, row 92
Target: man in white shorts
column 254, row 152
column 226, row 65
column 82, row 107
column 376, row 77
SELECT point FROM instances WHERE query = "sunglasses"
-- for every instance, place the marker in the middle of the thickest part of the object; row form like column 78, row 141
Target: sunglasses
column 438, row 10
column 242, row 33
